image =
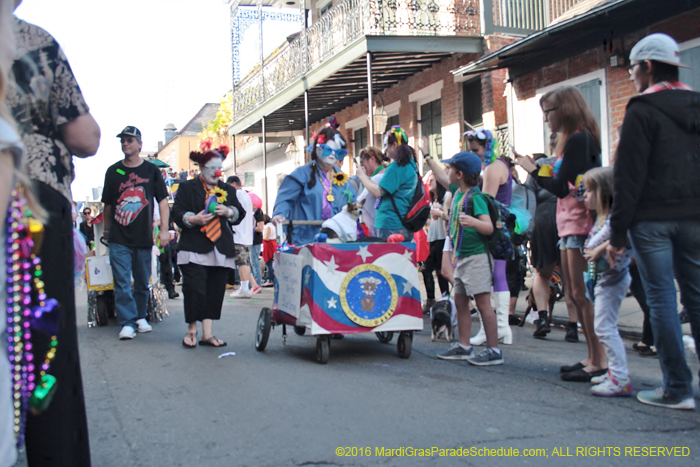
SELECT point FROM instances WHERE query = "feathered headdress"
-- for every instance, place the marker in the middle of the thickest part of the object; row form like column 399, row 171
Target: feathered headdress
column 400, row 135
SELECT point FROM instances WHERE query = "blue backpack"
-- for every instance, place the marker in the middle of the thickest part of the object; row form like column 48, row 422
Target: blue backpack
column 500, row 243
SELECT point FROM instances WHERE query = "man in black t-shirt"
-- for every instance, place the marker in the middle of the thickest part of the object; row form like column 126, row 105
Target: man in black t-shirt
column 129, row 189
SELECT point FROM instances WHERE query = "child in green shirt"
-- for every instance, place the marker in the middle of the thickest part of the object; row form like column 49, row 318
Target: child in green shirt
column 472, row 263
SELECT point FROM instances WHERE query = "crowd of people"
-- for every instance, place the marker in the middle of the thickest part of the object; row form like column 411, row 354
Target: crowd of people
column 598, row 224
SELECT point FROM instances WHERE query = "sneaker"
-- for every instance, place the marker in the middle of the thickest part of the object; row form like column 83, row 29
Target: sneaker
column 127, row 332
column 256, row 290
column 487, row 357
column 172, row 294
column 240, row 294
column 143, row 326
column 456, row 352
column 600, row 379
column 659, row 398
column 612, row 387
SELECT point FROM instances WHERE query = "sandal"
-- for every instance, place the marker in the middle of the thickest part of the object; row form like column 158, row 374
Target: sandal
column 213, row 341
column 190, row 335
column 641, row 347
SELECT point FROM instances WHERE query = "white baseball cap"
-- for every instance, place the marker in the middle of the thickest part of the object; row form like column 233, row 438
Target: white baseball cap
column 659, row 47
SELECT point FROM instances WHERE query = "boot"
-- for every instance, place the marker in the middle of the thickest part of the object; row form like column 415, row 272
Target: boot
column 480, row 337
column 542, row 326
column 501, row 304
column 571, row 332
column 502, row 307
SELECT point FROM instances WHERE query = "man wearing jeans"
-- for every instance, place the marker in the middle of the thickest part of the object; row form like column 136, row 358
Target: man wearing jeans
column 657, row 199
column 129, row 189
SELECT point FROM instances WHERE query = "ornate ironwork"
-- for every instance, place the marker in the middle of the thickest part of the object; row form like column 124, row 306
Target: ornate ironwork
column 343, row 24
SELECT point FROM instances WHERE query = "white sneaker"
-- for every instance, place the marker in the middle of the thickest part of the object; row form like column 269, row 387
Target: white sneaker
column 241, row 294
column 143, row 326
column 127, row 332
column 600, row 379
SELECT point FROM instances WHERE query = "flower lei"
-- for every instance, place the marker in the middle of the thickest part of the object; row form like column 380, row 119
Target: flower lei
column 28, row 310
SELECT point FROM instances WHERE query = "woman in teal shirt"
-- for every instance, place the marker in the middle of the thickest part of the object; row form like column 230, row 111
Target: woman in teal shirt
column 399, row 182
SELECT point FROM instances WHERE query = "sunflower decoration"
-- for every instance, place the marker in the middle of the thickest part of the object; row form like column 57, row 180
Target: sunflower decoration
column 221, row 195
column 340, row 178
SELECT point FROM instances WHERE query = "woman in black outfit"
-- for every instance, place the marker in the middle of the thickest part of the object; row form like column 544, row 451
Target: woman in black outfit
column 206, row 250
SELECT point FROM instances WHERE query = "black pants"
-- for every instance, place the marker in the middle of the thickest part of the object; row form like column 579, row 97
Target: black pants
column 59, row 436
column 515, row 274
column 637, row 289
column 204, row 288
column 166, row 270
column 434, row 263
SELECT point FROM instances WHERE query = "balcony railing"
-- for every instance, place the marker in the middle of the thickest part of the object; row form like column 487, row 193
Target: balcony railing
column 341, row 26
column 522, row 16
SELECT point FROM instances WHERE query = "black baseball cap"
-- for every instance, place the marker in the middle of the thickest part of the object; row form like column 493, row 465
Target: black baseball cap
column 130, row 131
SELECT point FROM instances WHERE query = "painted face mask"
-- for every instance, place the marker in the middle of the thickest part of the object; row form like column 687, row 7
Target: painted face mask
column 330, row 152
column 212, row 171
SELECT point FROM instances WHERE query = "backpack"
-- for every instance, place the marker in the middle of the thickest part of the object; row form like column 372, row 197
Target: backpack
column 418, row 207
column 499, row 244
column 522, row 205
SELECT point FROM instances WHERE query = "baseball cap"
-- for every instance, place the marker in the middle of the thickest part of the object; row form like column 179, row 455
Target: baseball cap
column 130, row 131
column 659, row 47
column 466, row 161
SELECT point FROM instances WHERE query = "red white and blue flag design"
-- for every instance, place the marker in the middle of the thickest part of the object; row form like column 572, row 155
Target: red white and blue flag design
column 355, row 287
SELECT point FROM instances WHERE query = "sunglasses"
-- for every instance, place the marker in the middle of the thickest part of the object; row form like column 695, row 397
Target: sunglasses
column 328, row 151
column 479, row 134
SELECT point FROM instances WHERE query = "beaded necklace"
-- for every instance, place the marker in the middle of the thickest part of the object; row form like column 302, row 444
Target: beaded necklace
column 457, row 242
column 28, row 309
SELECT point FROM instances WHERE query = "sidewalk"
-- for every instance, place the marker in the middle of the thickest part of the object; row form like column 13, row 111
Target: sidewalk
column 629, row 321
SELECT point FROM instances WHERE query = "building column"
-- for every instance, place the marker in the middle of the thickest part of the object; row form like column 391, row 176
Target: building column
column 370, row 103
column 264, row 155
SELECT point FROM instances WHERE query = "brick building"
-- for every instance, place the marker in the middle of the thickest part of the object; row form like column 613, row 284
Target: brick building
column 588, row 48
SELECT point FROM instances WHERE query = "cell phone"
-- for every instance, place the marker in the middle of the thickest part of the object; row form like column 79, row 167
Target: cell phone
column 357, row 160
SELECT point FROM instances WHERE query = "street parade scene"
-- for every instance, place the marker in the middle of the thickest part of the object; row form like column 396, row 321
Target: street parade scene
column 410, row 233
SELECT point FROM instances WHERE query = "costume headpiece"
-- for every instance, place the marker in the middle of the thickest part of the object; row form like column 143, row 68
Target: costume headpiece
column 493, row 150
column 206, row 153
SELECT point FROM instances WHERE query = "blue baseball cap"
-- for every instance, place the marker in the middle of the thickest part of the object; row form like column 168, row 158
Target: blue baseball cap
column 466, row 161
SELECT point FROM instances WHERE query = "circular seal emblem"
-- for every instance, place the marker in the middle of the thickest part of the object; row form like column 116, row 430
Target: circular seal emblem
column 368, row 295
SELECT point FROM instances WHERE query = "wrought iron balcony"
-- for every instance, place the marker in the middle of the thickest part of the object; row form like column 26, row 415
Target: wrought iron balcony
column 341, row 26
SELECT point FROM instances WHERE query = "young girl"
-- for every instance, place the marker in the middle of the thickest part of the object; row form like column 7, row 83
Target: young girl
column 610, row 284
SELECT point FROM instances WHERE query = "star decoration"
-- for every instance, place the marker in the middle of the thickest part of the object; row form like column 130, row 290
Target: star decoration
column 332, row 302
column 307, row 276
column 407, row 288
column 408, row 254
column 364, row 253
column 331, row 264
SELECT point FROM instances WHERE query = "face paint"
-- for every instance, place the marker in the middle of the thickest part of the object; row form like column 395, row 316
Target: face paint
column 330, row 152
column 212, row 171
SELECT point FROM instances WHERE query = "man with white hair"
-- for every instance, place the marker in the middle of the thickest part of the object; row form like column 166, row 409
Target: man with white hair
column 657, row 200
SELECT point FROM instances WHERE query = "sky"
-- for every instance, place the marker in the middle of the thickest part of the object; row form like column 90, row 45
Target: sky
column 138, row 62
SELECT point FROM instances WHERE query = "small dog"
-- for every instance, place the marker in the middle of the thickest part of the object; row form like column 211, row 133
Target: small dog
column 342, row 228
column 441, row 319
column 531, row 305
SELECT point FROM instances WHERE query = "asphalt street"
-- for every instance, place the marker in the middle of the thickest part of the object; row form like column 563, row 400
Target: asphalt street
column 152, row 402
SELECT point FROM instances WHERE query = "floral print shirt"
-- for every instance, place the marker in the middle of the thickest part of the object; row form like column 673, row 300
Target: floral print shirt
column 44, row 96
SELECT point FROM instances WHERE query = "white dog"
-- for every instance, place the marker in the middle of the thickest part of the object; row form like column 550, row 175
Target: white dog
column 342, row 227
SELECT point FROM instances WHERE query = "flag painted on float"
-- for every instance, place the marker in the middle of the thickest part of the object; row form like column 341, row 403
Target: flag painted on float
column 359, row 287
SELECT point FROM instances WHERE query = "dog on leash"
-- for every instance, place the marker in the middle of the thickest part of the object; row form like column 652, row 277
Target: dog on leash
column 342, row 228
column 531, row 305
column 441, row 320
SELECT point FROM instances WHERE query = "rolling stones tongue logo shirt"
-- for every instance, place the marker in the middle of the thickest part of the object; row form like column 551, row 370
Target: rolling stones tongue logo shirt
column 130, row 191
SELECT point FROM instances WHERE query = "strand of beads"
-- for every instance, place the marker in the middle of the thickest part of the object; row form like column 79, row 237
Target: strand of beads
column 25, row 294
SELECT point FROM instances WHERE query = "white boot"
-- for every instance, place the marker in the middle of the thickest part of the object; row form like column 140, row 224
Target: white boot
column 502, row 307
column 480, row 337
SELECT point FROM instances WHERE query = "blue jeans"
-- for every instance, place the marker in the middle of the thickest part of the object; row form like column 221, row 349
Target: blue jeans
column 384, row 233
column 664, row 250
column 126, row 261
column 255, row 263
